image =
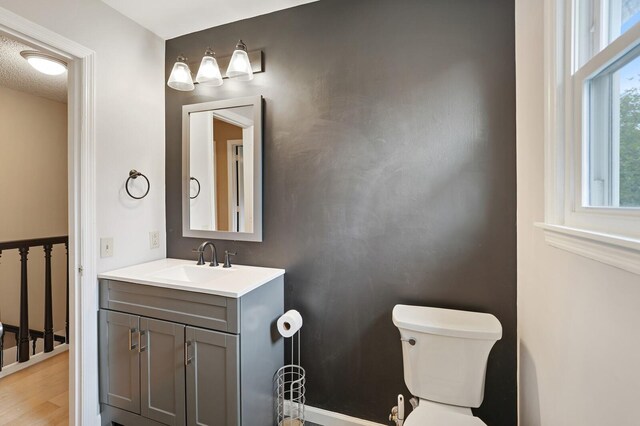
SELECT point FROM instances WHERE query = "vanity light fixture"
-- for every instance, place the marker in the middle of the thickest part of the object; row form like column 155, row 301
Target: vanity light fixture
column 45, row 63
column 239, row 65
column 180, row 77
column 209, row 71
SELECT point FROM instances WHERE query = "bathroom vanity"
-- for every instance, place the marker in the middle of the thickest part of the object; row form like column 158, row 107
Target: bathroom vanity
column 186, row 344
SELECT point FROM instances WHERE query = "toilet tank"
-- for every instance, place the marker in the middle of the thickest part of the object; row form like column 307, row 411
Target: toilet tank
column 445, row 352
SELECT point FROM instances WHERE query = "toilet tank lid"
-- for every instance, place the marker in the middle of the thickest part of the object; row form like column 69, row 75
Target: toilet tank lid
column 447, row 322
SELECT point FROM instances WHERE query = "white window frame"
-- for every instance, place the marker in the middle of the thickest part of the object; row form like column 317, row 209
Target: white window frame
column 607, row 234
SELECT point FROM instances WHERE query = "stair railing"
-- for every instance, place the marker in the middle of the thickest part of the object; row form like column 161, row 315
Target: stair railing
column 23, row 334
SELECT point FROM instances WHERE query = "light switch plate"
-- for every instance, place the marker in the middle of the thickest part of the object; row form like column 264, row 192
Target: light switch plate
column 106, row 247
column 154, row 239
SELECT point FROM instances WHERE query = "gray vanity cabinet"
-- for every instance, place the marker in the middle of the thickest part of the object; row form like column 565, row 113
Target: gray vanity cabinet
column 207, row 404
column 120, row 375
column 142, row 363
column 172, row 357
column 162, row 371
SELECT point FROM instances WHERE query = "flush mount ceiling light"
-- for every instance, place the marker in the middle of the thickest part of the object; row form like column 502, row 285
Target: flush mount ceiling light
column 240, row 66
column 209, row 72
column 180, row 78
column 45, row 63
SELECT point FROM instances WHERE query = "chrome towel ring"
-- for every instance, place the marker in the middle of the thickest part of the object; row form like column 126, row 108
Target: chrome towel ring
column 198, row 193
column 133, row 174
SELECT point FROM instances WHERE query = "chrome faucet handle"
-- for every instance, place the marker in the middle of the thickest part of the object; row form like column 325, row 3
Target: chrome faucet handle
column 227, row 261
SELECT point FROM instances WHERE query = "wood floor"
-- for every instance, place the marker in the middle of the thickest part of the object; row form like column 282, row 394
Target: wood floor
column 38, row 395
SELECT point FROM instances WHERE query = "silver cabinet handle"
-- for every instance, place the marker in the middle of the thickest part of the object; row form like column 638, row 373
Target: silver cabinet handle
column 140, row 336
column 132, row 345
column 187, row 358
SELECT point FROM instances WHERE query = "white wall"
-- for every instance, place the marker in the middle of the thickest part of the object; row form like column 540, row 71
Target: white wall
column 578, row 319
column 130, row 118
column 202, row 161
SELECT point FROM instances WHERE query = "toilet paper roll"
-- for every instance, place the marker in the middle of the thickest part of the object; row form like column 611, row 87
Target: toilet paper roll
column 289, row 323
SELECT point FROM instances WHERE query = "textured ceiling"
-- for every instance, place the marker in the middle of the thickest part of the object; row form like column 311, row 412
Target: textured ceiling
column 17, row 74
column 171, row 18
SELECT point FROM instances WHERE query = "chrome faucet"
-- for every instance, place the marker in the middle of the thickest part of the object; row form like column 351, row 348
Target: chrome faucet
column 214, row 254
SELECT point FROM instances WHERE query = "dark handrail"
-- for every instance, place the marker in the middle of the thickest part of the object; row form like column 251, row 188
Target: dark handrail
column 35, row 242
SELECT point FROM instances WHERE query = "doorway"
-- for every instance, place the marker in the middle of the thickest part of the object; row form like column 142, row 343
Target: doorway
column 82, row 334
column 34, row 220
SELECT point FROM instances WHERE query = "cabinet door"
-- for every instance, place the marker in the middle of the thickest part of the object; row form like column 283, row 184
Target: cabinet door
column 119, row 361
column 162, row 363
column 212, row 378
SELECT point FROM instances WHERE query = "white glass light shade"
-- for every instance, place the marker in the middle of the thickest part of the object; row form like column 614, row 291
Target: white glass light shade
column 239, row 65
column 180, row 77
column 209, row 72
column 44, row 63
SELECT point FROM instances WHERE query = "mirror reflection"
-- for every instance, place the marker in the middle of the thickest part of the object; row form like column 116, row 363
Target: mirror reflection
column 221, row 167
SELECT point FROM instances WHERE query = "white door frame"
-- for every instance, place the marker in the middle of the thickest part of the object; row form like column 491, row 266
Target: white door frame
column 232, row 184
column 84, row 406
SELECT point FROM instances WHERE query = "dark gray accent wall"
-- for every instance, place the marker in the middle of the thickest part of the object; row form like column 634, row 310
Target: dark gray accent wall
column 389, row 177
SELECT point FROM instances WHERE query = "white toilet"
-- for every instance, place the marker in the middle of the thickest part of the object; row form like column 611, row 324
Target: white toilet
column 445, row 355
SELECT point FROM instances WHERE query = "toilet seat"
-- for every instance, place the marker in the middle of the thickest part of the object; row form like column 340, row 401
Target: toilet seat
column 423, row 416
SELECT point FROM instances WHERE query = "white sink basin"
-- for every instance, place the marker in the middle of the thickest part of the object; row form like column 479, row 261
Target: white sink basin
column 186, row 275
column 191, row 273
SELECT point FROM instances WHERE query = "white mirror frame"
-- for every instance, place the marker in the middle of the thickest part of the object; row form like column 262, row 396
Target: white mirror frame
column 256, row 235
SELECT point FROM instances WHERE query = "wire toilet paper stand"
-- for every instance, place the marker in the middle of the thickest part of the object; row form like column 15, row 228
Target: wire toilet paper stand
column 290, row 388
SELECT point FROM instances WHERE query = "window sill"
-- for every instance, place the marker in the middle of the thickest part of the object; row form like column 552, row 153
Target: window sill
column 614, row 250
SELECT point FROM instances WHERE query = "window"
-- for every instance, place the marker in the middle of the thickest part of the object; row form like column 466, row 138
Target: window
column 593, row 124
column 611, row 116
column 600, row 22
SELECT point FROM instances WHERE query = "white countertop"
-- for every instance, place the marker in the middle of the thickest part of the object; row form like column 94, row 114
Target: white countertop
column 186, row 275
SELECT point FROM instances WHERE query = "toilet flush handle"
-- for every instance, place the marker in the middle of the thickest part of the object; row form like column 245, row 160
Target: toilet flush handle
column 410, row 340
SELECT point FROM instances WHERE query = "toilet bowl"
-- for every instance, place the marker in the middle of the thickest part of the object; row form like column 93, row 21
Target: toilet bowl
column 445, row 355
column 436, row 414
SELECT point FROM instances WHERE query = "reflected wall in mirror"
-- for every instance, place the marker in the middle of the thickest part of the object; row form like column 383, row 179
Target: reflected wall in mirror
column 222, row 169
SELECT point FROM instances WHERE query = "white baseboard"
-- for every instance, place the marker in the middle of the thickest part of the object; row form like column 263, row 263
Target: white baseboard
column 329, row 418
column 38, row 357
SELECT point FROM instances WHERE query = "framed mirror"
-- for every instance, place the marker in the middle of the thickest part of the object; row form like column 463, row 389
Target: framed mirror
column 222, row 169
